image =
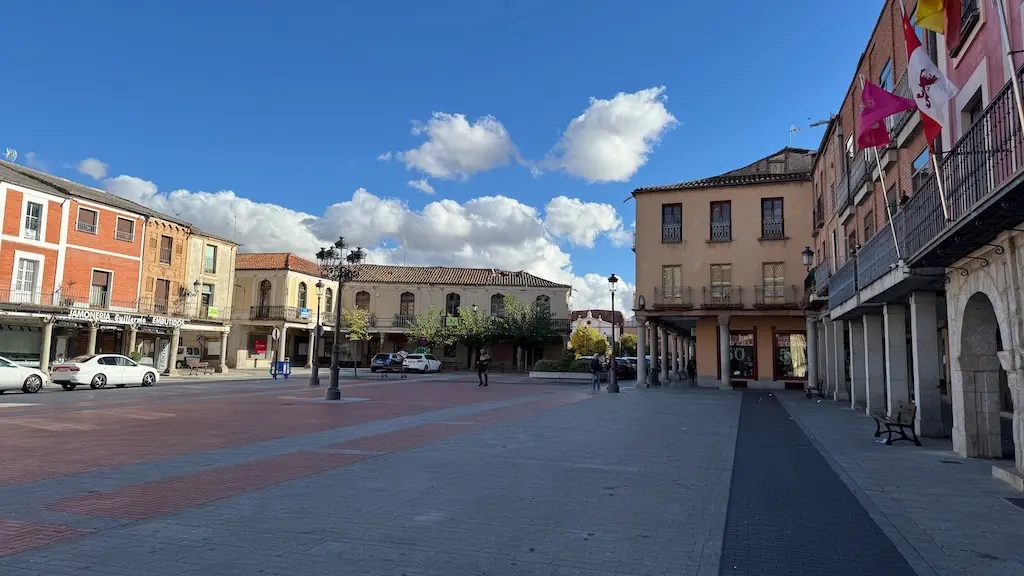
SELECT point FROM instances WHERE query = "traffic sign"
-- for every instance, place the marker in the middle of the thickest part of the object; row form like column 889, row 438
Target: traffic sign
column 276, row 334
column 319, row 330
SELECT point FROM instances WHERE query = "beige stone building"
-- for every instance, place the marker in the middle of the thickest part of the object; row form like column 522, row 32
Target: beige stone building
column 722, row 277
column 279, row 291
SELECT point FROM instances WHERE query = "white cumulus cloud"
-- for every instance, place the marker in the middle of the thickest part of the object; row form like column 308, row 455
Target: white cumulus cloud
column 582, row 222
column 92, row 167
column 611, row 140
column 422, row 185
column 591, row 291
column 456, row 148
column 384, row 157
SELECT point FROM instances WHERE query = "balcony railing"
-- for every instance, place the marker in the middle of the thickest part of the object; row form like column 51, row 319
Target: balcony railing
column 28, row 297
column 286, row 313
column 773, row 228
column 672, row 297
column 721, row 231
column 841, row 193
column 898, row 121
column 722, row 297
column 876, row 257
column 670, row 234
column 819, row 214
column 561, row 325
column 85, row 227
column 843, row 284
column 125, row 236
column 775, row 296
column 821, row 276
column 860, row 172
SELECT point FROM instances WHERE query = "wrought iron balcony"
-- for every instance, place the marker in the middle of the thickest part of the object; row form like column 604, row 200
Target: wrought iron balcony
column 286, row 313
column 876, row 257
column 673, row 297
column 773, row 228
column 561, row 325
column 818, row 216
column 860, row 172
column 843, row 284
column 775, row 296
column 670, row 234
column 28, row 298
column 821, row 276
column 982, row 177
column 722, row 297
column 721, row 231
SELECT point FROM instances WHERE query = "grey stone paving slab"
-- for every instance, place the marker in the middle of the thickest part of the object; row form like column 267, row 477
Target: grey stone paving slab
column 948, row 510
column 789, row 513
column 624, row 484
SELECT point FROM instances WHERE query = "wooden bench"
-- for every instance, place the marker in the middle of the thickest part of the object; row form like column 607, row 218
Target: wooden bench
column 450, row 365
column 815, row 390
column 899, row 422
column 194, row 368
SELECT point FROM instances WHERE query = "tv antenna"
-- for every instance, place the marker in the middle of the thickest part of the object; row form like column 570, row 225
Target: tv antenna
column 793, row 128
column 11, row 155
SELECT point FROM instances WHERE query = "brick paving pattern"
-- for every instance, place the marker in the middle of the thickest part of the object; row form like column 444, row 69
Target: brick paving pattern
column 17, row 537
column 789, row 513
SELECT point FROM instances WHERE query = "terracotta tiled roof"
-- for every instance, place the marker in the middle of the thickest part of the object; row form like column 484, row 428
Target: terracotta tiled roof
column 604, row 314
column 798, row 162
column 382, row 274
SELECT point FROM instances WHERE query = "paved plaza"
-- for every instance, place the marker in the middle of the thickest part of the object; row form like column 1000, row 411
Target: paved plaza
column 436, row 476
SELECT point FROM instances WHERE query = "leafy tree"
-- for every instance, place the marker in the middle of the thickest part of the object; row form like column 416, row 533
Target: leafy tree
column 587, row 341
column 627, row 344
column 430, row 328
column 357, row 320
column 526, row 325
column 474, row 329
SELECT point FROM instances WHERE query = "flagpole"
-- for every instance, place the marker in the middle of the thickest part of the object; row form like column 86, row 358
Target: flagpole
column 1005, row 32
column 885, row 193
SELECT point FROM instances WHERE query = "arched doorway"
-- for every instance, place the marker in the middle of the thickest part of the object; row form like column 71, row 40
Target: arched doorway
column 980, row 383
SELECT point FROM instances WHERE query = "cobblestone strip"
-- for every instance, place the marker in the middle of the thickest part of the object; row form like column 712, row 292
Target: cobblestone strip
column 789, row 513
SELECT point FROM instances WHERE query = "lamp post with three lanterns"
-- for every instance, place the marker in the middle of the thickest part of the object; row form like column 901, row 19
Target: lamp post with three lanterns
column 336, row 264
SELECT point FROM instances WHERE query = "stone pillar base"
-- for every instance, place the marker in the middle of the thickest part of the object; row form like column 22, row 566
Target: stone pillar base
column 1010, row 476
column 841, row 396
column 221, row 370
column 171, row 372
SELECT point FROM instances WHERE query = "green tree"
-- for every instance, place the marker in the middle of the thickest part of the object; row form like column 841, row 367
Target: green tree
column 526, row 325
column 357, row 322
column 474, row 328
column 430, row 328
column 587, row 341
column 627, row 344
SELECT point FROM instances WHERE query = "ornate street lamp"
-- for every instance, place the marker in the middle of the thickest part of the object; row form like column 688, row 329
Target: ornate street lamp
column 336, row 265
column 808, row 256
column 613, row 381
column 314, row 378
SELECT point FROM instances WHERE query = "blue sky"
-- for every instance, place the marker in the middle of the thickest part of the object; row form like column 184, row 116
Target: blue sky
column 290, row 104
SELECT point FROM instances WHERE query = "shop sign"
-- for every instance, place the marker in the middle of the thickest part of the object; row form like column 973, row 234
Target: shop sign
column 259, row 347
column 151, row 330
column 123, row 319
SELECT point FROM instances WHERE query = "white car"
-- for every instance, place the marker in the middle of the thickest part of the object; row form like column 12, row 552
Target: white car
column 99, row 370
column 422, row 363
column 16, row 377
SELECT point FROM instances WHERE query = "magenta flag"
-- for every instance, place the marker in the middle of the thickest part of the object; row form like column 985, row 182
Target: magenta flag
column 878, row 104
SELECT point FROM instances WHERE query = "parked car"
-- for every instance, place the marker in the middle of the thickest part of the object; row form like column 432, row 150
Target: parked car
column 98, row 370
column 16, row 377
column 187, row 354
column 422, row 363
column 624, row 370
column 385, row 362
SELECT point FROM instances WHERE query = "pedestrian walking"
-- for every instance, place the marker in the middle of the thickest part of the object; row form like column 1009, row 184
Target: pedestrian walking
column 691, row 369
column 595, row 369
column 483, row 359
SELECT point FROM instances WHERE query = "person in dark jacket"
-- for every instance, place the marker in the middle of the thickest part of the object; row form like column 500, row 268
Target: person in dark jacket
column 482, row 360
column 595, row 369
column 691, row 369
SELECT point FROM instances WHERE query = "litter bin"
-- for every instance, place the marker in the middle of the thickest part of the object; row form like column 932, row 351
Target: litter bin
column 281, row 368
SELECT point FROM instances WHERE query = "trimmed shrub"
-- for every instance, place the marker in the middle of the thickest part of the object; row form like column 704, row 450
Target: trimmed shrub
column 574, row 365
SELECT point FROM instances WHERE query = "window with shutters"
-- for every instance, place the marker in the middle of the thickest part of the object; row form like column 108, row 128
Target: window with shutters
column 498, row 305
column 721, row 221
column 166, row 249
column 671, row 284
column 407, row 304
column 869, row 225
column 772, row 223
column 773, row 283
column 328, row 301
column 671, row 223
column 721, row 283
column 32, row 226
column 162, row 296
column 363, row 300
column 452, row 303
column 99, row 290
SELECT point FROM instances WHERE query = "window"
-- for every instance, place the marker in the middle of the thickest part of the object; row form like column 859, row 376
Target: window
column 407, row 304
column 927, row 37
column 265, row 288
column 773, row 283
column 33, row 221
column 26, row 283
column 893, row 206
column 721, row 221
column 851, row 245
column 544, row 302
column 921, row 171
column 452, row 303
column 772, row 223
column 869, row 225
column 88, row 220
column 205, row 299
column 161, row 296
column 721, row 283
column 210, row 260
column 790, row 354
column 671, row 284
column 363, row 300
column 99, row 290
column 125, row 230
column 328, row 300
column 671, row 223
column 166, row 244
column 498, row 305
column 303, row 294
column 742, row 355
column 885, row 82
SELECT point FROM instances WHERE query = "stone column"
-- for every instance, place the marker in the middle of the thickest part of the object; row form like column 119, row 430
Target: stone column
column 673, row 355
column 839, row 392
column 44, row 347
column 90, row 348
column 654, row 370
column 895, row 354
column 133, row 335
column 172, row 359
column 311, row 348
column 223, row 368
column 723, row 352
column 924, row 334
column 641, row 353
column 680, row 357
column 858, row 375
column 663, row 362
column 874, row 363
column 282, row 344
column 1015, row 382
column 812, row 350
column 830, row 359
